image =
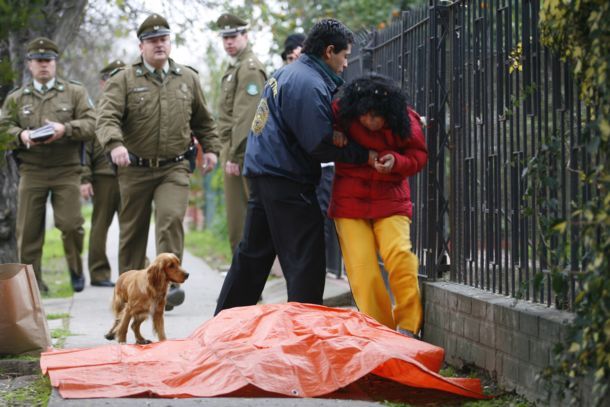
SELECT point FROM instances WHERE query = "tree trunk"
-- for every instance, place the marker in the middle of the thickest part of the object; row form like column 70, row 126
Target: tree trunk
column 9, row 180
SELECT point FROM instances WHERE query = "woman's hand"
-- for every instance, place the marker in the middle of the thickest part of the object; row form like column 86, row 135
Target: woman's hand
column 385, row 164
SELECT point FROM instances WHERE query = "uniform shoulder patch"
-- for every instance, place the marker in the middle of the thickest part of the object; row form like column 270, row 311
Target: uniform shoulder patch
column 252, row 89
column 192, row 69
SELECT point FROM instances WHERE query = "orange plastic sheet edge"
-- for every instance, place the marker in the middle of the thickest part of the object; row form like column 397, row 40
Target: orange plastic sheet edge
column 295, row 350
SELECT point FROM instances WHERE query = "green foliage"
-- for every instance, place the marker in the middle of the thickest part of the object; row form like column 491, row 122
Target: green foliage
column 286, row 17
column 580, row 32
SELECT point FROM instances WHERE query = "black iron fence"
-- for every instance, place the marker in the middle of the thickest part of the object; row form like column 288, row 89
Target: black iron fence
column 505, row 134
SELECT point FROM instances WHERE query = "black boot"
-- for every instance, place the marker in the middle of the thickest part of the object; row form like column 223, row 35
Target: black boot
column 78, row 282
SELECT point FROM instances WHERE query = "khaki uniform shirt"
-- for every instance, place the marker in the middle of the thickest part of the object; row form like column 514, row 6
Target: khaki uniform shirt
column 153, row 119
column 66, row 102
column 241, row 89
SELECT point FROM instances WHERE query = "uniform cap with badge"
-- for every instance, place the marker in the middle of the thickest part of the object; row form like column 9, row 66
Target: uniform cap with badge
column 230, row 25
column 154, row 26
column 111, row 67
column 42, row 48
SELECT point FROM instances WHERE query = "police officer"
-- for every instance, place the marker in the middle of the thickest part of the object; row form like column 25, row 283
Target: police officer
column 51, row 166
column 146, row 116
column 241, row 88
column 99, row 183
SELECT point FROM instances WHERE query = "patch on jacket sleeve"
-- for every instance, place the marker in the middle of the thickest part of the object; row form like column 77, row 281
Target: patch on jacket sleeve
column 252, row 89
column 260, row 118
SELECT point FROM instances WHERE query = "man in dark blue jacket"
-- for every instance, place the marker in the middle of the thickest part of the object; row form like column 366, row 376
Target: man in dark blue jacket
column 291, row 134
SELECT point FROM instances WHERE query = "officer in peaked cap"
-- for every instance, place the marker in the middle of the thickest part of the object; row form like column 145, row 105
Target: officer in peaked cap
column 154, row 26
column 99, row 184
column 229, row 24
column 241, row 88
column 147, row 116
column 110, row 68
column 42, row 48
column 53, row 165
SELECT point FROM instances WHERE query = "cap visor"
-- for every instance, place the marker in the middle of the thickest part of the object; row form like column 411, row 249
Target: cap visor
column 154, row 34
column 42, row 55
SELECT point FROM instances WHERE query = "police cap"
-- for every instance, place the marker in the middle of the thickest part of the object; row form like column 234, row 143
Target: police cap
column 154, row 26
column 42, row 48
column 117, row 63
column 230, row 24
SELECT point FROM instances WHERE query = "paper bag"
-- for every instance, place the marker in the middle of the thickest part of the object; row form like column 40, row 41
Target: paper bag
column 23, row 324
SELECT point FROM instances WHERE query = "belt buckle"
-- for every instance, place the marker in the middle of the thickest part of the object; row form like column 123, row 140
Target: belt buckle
column 154, row 163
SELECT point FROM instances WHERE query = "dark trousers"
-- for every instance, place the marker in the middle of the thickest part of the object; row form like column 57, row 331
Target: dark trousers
column 283, row 219
column 333, row 250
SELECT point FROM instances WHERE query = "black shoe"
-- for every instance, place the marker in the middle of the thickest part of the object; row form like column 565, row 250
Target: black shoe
column 78, row 282
column 175, row 296
column 103, row 283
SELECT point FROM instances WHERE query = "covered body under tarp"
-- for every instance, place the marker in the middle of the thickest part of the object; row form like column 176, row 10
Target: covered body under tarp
column 292, row 350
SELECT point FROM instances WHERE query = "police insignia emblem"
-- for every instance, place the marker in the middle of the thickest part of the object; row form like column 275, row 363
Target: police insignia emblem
column 260, row 118
column 252, row 89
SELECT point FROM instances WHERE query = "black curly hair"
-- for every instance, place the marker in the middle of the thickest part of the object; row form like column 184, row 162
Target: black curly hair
column 378, row 95
column 327, row 32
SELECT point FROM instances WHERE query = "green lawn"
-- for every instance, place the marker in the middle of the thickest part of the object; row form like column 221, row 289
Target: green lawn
column 209, row 245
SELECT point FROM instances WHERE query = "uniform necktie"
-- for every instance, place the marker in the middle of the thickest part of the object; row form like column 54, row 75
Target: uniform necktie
column 159, row 74
column 43, row 89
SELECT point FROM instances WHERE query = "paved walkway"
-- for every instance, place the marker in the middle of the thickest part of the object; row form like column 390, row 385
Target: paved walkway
column 90, row 318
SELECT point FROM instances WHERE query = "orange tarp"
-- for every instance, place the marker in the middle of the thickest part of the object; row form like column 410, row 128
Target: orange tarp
column 294, row 350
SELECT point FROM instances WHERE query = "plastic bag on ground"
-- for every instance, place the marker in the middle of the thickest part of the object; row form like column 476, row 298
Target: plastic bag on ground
column 292, row 350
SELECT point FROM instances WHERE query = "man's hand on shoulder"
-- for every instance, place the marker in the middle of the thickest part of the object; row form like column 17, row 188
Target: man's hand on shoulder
column 120, row 156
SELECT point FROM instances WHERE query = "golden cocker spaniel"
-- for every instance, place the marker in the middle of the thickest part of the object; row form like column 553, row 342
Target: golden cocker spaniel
column 139, row 293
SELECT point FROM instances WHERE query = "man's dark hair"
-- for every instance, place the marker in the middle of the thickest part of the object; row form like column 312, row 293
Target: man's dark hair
column 378, row 95
column 292, row 42
column 327, row 32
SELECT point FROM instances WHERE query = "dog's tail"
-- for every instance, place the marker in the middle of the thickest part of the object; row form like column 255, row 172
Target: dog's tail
column 117, row 305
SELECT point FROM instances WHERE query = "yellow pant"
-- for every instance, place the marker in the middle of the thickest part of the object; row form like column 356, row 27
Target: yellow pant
column 361, row 240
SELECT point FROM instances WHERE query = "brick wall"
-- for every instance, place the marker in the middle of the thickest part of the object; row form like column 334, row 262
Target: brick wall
column 513, row 340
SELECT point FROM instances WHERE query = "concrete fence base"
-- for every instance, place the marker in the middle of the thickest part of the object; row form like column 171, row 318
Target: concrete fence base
column 511, row 339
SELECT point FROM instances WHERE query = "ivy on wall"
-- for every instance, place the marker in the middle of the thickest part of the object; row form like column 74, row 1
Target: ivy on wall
column 579, row 30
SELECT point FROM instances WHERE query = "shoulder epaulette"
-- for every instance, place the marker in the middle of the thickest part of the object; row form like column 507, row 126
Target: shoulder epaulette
column 116, row 70
column 192, row 69
column 14, row 90
column 75, row 82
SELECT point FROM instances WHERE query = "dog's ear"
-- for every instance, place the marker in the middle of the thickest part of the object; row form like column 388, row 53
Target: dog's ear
column 156, row 273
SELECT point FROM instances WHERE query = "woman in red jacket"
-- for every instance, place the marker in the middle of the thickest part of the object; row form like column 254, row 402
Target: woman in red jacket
column 372, row 205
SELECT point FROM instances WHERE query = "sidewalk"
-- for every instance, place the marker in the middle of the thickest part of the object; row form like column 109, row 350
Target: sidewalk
column 91, row 317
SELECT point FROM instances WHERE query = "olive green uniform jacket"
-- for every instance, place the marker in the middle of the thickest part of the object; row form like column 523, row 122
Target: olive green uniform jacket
column 154, row 119
column 50, row 169
column 241, row 89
